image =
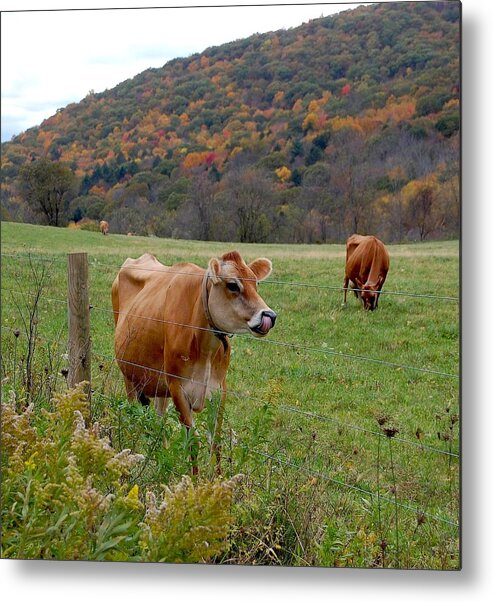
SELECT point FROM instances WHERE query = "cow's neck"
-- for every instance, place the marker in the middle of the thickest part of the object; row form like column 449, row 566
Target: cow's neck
column 374, row 273
column 373, row 276
column 220, row 334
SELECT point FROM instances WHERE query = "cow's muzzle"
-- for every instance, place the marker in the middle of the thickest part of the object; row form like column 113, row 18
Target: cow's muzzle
column 266, row 320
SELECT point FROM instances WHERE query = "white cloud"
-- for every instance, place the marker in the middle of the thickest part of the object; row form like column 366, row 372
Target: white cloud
column 50, row 59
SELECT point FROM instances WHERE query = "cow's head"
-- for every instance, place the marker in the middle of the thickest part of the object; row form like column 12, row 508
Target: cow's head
column 234, row 303
column 369, row 294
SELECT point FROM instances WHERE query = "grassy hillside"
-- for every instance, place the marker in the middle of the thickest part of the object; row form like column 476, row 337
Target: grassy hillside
column 307, row 407
column 344, row 120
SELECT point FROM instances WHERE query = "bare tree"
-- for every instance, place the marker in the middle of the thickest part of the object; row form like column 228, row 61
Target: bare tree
column 196, row 215
column 324, row 210
column 350, row 178
column 249, row 196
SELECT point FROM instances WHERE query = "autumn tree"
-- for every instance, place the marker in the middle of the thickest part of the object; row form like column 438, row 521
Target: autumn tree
column 390, row 207
column 423, row 210
column 452, row 187
column 45, row 185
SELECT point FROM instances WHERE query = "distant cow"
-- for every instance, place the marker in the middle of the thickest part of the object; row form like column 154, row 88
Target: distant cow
column 367, row 264
column 172, row 326
column 104, row 227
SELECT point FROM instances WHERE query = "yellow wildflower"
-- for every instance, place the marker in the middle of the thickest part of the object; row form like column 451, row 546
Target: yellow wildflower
column 30, row 464
column 133, row 494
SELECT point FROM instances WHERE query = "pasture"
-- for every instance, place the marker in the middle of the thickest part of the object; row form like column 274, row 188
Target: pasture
column 344, row 423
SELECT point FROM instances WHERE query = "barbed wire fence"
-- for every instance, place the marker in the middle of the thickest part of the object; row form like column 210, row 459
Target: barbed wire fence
column 280, row 458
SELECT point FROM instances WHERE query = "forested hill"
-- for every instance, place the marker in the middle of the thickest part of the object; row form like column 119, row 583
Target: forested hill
column 346, row 123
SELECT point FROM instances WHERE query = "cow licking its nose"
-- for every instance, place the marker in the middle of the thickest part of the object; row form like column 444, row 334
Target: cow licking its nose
column 264, row 322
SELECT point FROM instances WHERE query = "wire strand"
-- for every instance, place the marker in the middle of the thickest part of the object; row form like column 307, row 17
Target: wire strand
column 331, row 479
column 168, row 270
column 343, row 424
column 284, row 344
column 30, row 294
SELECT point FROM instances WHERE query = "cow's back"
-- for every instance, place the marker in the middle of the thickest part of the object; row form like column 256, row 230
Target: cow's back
column 145, row 287
column 133, row 276
column 368, row 259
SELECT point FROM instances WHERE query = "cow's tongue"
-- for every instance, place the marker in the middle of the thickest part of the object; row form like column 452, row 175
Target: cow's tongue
column 266, row 324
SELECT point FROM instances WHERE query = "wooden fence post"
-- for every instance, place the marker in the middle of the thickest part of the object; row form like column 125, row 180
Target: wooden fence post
column 79, row 341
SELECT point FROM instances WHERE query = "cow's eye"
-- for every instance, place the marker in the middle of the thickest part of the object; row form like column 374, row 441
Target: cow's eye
column 233, row 287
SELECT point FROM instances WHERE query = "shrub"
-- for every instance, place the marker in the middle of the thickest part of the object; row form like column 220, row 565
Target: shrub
column 88, row 224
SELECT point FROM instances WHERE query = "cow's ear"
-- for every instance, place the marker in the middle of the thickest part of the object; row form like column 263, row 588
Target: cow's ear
column 214, row 270
column 358, row 283
column 261, row 268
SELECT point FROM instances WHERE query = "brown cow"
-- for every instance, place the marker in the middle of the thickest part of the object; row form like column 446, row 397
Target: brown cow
column 104, row 227
column 367, row 264
column 172, row 326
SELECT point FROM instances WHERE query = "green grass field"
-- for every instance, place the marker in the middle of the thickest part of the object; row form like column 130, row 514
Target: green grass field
column 307, row 407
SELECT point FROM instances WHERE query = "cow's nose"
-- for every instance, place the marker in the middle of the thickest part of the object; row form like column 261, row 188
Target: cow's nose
column 270, row 314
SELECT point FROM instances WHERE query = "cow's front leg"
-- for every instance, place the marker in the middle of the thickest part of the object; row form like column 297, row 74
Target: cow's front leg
column 345, row 285
column 380, row 286
column 186, row 418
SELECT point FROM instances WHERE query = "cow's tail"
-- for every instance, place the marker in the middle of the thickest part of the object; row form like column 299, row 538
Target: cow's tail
column 115, row 300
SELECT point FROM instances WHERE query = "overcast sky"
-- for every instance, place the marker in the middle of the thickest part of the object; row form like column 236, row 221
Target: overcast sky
column 52, row 58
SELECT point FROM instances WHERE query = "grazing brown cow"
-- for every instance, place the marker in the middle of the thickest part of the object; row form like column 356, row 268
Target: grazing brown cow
column 172, row 326
column 104, row 227
column 367, row 264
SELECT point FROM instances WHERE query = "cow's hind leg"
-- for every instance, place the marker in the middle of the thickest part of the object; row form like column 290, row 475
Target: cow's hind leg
column 144, row 400
column 134, row 393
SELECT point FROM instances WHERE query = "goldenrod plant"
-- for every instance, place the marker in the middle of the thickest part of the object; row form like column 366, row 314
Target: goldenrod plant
column 68, row 494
